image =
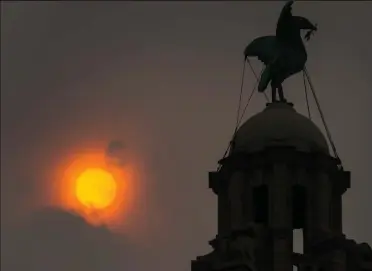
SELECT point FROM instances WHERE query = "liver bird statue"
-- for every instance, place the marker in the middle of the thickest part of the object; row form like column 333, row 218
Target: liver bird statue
column 283, row 54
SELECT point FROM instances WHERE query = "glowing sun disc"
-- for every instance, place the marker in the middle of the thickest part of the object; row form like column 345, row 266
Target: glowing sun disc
column 95, row 188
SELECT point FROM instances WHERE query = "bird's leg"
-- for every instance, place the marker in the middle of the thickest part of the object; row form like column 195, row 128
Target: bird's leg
column 281, row 94
column 273, row 93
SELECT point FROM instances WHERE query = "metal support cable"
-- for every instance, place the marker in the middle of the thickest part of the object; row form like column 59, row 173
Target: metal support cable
column 322, row 116
column 257, row 78
column 240, row 117
column 307, row 99
column 240, row 96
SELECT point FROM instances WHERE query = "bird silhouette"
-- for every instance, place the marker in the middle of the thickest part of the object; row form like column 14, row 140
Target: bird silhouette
column 283, row 54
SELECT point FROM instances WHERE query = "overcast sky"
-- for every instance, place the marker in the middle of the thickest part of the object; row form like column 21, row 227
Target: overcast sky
column 163, row 78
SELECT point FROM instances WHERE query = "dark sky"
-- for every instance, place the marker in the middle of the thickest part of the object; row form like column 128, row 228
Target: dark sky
column 164, row 78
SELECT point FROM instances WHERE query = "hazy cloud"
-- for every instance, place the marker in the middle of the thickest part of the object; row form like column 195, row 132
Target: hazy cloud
column 57, row 240
column 115, row 152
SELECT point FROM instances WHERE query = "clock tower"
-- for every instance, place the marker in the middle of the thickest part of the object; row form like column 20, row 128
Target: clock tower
column 278, row 177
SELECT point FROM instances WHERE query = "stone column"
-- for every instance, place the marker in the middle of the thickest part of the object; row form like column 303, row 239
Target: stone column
column 338, row 262
column 280, row 219
column 247, row 201
column 223, row 209
column 336, row 215
column 322, row 203
column 236, row 189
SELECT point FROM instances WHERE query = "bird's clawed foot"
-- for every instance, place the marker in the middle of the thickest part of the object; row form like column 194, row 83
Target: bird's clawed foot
column 279, row 101
column 281, row 95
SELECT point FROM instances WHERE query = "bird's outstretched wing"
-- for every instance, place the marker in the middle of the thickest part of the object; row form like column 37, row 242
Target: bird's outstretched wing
column 264, row 48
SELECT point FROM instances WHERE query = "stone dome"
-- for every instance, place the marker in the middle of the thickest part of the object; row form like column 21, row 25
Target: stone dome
column 279, row 125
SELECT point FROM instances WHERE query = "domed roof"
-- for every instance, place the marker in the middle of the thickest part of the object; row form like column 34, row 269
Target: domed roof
column 279, row 125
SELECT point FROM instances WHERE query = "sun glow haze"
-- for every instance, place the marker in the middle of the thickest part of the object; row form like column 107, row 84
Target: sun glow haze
column 96, row 188
column 90, row 186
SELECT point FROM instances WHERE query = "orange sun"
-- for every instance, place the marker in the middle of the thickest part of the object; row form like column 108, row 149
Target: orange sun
column 100, row 192
column 95, row 188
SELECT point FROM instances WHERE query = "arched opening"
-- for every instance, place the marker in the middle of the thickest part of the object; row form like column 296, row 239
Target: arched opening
column 261, row 204
column 299, row 206
column 298, row 241
column 299, row 213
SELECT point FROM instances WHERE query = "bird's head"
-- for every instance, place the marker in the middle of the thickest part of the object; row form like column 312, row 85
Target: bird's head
column 286, row 10
column 288, row 5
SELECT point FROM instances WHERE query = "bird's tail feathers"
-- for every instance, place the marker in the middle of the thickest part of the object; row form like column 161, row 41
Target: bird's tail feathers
column 264, row 80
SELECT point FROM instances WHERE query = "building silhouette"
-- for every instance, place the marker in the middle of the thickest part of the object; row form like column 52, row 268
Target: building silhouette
column 279, row 176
